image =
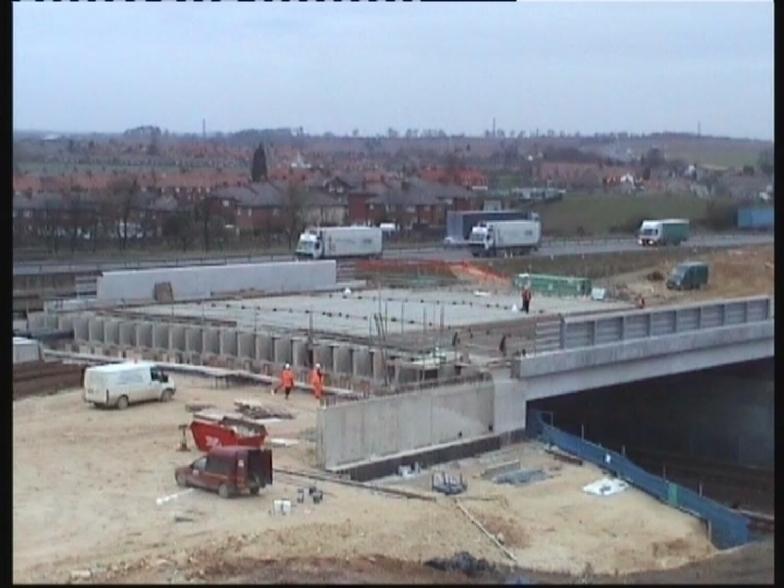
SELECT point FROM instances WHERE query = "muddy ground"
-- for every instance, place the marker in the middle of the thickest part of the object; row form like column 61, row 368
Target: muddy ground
column 87, row 484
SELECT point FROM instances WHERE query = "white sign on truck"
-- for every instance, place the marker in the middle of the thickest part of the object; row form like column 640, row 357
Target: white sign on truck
column 124, row 383
column 336, row 242
column 506, row 238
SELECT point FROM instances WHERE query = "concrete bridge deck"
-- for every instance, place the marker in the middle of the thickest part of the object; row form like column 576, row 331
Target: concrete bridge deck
column 615, row 348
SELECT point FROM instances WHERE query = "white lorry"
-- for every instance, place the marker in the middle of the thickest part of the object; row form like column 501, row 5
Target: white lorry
column 337, row 242
column 673, row 231
column 507, row 238
column 124, row 383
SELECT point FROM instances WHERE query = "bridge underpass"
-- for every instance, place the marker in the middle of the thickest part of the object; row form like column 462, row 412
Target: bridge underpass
column 687, row 392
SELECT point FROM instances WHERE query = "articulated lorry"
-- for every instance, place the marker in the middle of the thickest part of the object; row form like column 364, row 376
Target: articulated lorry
column 506, row 238
column 663, row 232
column 340, row 242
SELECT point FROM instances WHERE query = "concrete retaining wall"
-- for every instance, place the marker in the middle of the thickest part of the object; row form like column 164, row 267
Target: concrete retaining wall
column 371, row 429
column 204, row 281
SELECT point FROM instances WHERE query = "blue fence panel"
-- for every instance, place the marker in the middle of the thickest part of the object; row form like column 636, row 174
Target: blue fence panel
column 726, row 527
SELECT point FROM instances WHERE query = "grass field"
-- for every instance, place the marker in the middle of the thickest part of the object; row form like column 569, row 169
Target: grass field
column 615, row 213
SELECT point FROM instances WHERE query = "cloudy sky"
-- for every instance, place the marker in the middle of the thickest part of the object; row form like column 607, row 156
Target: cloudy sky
column 587, row 67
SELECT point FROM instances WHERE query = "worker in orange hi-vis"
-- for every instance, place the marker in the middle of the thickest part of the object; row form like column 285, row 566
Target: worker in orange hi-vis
column 286, row 380
column 317, row 381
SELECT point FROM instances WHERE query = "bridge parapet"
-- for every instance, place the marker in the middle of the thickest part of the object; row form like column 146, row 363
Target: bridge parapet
column 601, row 329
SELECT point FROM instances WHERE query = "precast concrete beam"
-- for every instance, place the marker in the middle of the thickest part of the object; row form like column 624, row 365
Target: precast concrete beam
column 81, row 328
column 228, row 343
column 299, row 353
column 194, row 340
column 264, row 348
column 95, row 326
column 212, row 341
column 378, row 364
column 362, row 365
column 144, row 335
column 246, row 345
column 177, row 338
column 282, row 350
column 65, row 322
column 160, row 336
column 127, row 334
column 323, row 354
column 111, row 331
column 344, row 360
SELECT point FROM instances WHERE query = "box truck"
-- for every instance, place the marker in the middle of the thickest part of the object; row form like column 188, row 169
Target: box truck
column 121, row 384
column 338, row 242
column 507, row 238
column 459, row 223
column 663, row 232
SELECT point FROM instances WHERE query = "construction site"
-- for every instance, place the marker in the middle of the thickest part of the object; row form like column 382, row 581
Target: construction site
column 430, row 457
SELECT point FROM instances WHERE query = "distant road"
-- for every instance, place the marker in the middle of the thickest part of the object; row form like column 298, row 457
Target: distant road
column 549, row 247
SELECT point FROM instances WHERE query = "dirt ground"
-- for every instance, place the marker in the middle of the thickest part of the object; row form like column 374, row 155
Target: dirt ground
column 747, row 271
column 86, row 483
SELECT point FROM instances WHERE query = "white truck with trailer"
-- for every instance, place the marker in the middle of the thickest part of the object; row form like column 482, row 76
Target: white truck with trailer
column 340, row 242
column 506, row 238
column 121, row 384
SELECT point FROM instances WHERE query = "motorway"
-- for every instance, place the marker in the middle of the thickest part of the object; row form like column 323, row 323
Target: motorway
column 549, row 247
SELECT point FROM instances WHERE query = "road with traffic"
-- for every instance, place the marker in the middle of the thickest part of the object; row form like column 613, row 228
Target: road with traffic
column 549, row 247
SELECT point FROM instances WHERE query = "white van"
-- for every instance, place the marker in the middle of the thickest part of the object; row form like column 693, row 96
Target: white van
column 121, row 384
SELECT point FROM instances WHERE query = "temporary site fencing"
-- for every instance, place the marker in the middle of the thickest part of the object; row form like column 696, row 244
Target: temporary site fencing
column 726, row 528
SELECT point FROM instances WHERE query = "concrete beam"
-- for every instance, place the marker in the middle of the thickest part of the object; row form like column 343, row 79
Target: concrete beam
column 127, row 334
column 160, row 336
column 246, row 345
column 177, row 338
column 95, row 326
column 194, row 340
column 81, row 329
column 264, row 349
column 565, row 372
column 228, row 343
column 144, row 335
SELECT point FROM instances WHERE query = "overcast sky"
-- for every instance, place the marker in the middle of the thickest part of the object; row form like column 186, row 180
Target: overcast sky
column 639, row 67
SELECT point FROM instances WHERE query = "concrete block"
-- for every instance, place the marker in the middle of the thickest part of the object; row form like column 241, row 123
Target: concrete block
column 111, row 331
column 228, row 343
column 212, row 341
column 283, row 350
column 127, row 334
column 95, row 327
column 144, row 335
column 81, row 328
column 246, row 345
column 160, row 336
column 194, row 340
column 177, row 338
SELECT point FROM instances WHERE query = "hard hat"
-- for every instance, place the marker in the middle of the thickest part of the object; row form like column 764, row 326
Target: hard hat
column 287, row 366
column 318, row 366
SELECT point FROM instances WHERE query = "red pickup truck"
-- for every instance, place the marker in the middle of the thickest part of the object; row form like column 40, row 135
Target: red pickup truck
column 229, row 471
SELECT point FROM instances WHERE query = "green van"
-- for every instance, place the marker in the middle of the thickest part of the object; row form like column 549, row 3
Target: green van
column 689, row 275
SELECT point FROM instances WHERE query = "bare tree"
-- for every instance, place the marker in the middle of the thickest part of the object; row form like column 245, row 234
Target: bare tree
column 295, row 203
column 178, row 228
column 124, row 191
